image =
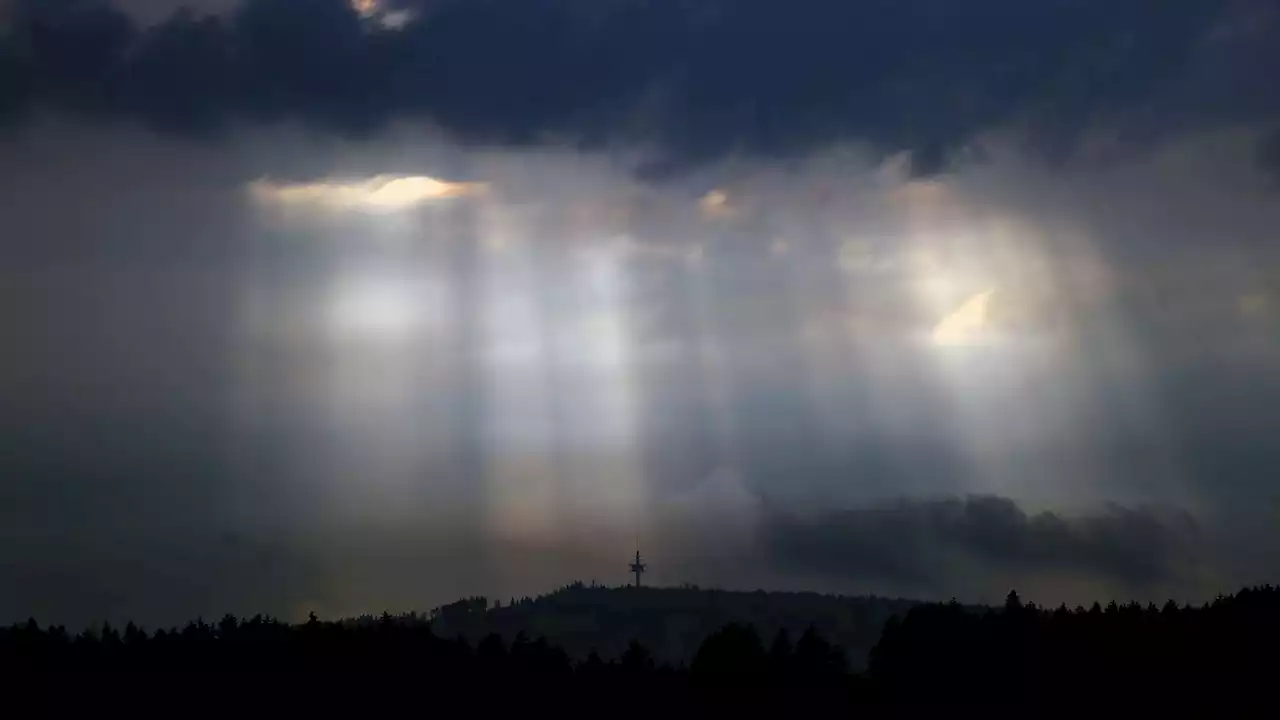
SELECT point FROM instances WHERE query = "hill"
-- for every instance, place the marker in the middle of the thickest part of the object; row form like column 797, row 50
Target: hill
column 1191, row 660
column 671, row 622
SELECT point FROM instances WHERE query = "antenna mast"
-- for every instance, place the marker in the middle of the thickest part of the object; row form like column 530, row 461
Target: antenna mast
column 638, row 568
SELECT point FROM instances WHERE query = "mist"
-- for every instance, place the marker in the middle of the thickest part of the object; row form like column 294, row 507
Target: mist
column 289, row 365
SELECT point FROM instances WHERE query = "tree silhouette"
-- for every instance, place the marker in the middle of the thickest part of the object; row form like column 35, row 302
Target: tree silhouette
column 1186, row 659
column 781, row 656
column 816, row 659
column 637, row 659
column 733, row 650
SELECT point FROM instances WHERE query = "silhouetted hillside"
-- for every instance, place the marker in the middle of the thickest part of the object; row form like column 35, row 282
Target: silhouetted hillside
column 1208, row 661
column 671, row 622
column 1220, row 654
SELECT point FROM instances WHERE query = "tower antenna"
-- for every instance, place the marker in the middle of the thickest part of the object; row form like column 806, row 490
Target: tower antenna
column 638, row 567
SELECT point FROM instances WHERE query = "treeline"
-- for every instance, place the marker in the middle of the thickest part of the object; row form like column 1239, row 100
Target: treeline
column 1209, row 656
column 1214, row 655
column 390, row 659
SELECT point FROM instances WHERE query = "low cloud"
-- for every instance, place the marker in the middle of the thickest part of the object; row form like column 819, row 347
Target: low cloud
column 937, row 546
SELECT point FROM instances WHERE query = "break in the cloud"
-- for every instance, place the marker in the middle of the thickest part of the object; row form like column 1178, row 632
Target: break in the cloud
column 690, row 80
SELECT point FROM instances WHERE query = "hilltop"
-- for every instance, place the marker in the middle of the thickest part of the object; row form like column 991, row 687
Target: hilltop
column 671, row 622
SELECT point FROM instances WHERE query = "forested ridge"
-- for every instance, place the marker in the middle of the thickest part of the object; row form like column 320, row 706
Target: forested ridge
column 1219, row 654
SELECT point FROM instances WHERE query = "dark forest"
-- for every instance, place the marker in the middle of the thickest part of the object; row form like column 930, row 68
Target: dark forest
column 1180, row 657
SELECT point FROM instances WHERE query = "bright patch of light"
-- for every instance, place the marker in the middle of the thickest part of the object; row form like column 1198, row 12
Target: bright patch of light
column 966, row 325
column 512, row 324
column 593, row 336
column 381, row 193
column 715, row 204
column 374, row 308
column 397, row 19
column 375, row 10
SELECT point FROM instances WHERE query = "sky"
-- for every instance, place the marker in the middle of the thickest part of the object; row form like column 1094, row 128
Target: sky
column 309, row 305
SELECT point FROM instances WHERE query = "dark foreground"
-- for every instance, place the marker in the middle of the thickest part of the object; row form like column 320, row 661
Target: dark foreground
column 1219, row 658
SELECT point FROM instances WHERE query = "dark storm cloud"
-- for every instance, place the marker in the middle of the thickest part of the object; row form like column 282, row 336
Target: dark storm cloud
column 699, row 79
column 924, row 543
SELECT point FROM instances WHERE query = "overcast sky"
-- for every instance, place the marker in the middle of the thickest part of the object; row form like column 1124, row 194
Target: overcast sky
column 313, row 306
